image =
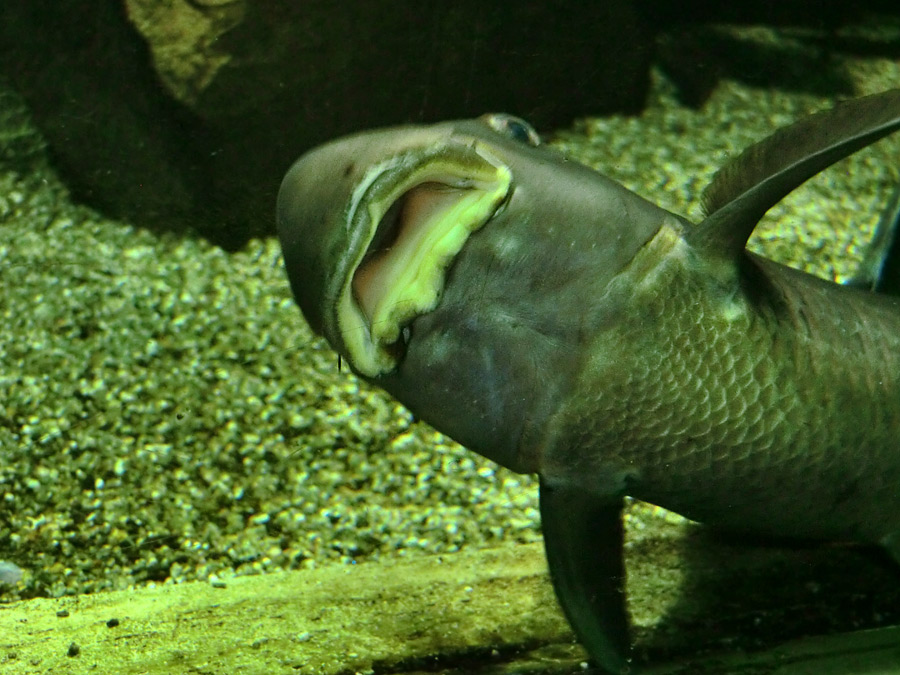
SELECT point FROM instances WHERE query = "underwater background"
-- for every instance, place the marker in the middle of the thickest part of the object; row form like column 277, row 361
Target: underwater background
column 167, row 416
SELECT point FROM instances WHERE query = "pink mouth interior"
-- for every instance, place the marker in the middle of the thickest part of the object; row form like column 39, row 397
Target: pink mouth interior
column 401, row 229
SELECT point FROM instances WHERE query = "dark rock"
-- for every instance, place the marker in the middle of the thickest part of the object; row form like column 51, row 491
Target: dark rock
column 118, row 139
column 193, row 120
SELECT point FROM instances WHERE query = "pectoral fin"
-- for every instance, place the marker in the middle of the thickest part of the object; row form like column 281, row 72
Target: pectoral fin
column 878, row 270
column 885, row 257
column 583, row 539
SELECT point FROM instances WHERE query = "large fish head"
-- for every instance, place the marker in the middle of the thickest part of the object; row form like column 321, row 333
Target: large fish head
column 461, row 267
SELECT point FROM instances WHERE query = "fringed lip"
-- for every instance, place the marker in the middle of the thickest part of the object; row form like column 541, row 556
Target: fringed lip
column 410, row 216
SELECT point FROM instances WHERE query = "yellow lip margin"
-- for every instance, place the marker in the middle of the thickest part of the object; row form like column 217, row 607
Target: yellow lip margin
column 417, row 272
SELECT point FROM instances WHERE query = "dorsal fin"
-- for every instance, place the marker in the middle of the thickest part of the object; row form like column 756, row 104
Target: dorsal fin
column 744, row 189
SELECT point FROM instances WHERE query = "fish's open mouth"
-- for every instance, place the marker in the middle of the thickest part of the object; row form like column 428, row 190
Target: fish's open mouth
column 410, row 216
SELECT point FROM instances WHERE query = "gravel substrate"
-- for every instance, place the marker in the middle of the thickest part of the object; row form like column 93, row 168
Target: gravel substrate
column 166, row 415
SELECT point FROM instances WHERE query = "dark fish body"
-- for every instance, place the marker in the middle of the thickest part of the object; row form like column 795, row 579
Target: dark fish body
column 552, row 320
column 766, row 403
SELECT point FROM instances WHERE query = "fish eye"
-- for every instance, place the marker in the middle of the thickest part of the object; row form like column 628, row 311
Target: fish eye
column 512, row 127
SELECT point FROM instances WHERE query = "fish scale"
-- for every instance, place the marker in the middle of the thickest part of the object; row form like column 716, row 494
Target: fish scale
column 784, row 407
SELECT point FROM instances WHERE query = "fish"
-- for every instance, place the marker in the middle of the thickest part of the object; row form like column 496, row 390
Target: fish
column 548, row 318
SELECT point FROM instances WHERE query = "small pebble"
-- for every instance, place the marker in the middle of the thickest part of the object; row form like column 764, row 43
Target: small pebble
column 10, row 573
